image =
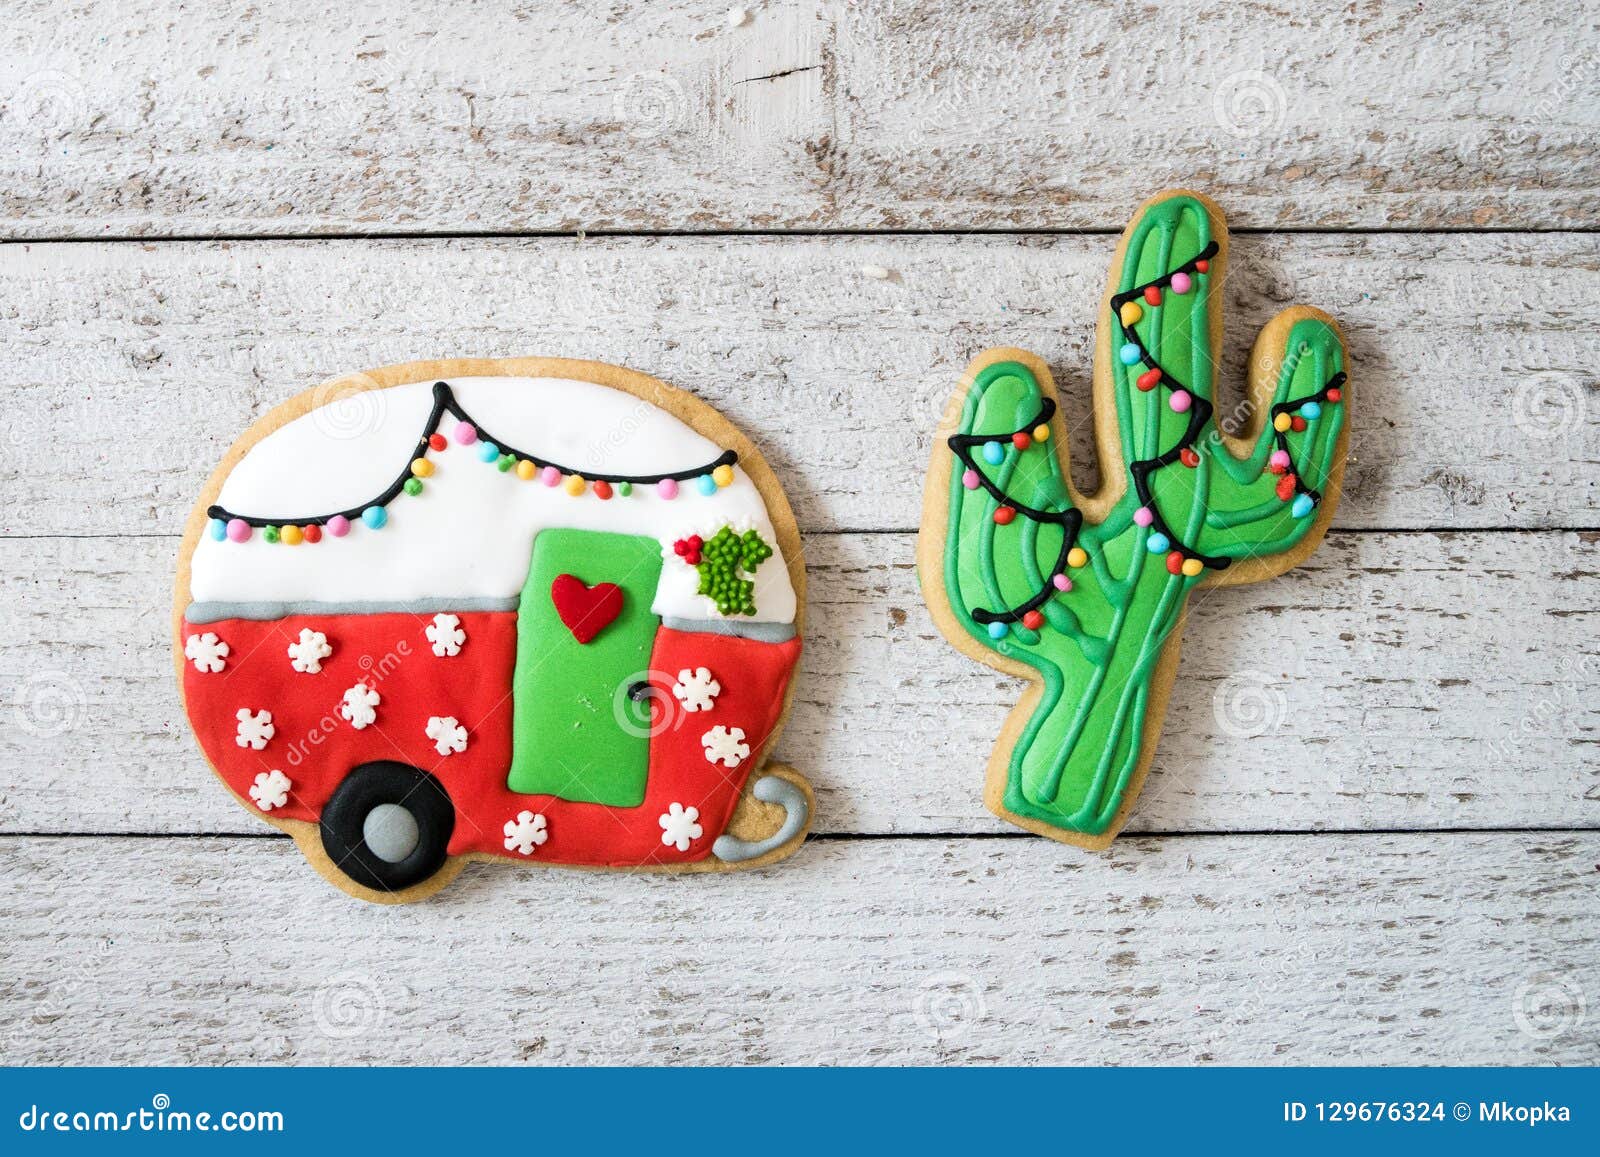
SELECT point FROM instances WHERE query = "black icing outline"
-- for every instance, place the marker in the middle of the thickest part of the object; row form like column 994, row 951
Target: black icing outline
column 444, row 401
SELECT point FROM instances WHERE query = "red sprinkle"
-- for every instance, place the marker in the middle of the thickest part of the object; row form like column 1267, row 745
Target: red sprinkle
column 1174, row 562
column 1147, row 380
column 313, row 533
column 602, row 489
column 1004, row 514
column 436, row 442
column 1152, row 295
column 1033, row 620
column 1021, row 440
column 1286, row 488
column 1334, row 395
column 1297, row 424
column 1274, row 468
column 1202, row 266
column 1188, row 457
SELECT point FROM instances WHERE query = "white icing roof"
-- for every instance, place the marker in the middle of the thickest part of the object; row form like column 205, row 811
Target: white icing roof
column 469, row 534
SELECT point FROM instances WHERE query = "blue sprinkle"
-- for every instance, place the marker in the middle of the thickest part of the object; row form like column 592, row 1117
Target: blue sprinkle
column 488, row 452
column 706, row 484
column 1157, row 543
column 1302, row 506
column 1310, row 410
column 375, row 517
column 993, row 453
column 997, row 630
column 1130, row 354
column 217, row 529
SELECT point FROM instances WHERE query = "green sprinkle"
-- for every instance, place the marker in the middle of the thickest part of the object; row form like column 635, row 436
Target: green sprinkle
column 413, row 486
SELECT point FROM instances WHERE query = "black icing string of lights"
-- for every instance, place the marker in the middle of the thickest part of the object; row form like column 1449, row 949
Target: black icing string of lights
column 1291, row 417
column 1070, row 520
column 236, row 527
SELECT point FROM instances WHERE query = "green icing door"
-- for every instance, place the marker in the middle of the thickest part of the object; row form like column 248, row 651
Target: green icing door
column 575, row 732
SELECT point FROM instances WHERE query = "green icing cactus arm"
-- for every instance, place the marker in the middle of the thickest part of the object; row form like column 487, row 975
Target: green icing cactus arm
column 1088, row 595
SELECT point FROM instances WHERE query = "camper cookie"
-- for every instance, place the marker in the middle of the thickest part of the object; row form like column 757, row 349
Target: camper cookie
column 536, row 610
column 1085, row 596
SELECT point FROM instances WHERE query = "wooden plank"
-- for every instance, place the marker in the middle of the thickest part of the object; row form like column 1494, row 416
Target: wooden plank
column 1396, row 949
column 165, row 118
column 136, row 365
column 1394, row 681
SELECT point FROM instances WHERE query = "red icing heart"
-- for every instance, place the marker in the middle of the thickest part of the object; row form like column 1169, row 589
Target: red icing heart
column 586, row 610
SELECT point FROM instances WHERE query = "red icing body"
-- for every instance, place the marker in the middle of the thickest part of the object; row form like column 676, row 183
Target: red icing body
column 316, row 747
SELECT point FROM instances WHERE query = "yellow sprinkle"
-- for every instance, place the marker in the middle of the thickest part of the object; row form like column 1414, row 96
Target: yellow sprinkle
column 1130, row 313
column 1192, row 566
column 1041, row 433
column 1281, row 423
column 292, row 535
column 722, row 475
column 1077, row 556
column 574, row 484
column 421, row 467
column 525, row 470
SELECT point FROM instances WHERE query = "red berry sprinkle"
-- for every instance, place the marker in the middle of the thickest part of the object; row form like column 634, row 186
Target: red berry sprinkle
column 1297, row 424
column 1004, row 514
column 1033, row 620
column 1202, row 266
column 1174, row 562
column 1152, row 295
column 1334, row 395
column 1147, row 380
column 1188, row 457
column 1021, row 440
column 313, row 533
column 436, row 442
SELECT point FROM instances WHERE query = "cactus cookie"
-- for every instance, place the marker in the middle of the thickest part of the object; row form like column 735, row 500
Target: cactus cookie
column 1085, row 595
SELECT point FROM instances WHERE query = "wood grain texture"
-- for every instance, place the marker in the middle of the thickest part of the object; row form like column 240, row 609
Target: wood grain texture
column 1477, row 404
column 1391, row 681
column 1283, row 950
column 164, row 118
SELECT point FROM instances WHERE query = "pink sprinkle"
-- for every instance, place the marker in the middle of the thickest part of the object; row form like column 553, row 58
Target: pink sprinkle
column 970, row 480
column 550, row 476
column 667, row 488
column 238, row 530
column 1180, row 283
column 1143, row 516
column 1280, row 459
column 1179, row 401
column 465, row 433
column 1061, row 582
column 338, row 526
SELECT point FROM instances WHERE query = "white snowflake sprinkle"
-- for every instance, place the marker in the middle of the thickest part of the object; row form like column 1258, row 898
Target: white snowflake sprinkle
column 447, row 734
column 358, row 706
column 526, row 832
column 446, row 635
column 270, row 790
column 679, row 827
column 725, row 745
column 206, row 652
column 307, row 654
column 696, row 689
column 255, row 728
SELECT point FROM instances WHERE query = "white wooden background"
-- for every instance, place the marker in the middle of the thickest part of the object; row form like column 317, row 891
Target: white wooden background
column 1372, row 833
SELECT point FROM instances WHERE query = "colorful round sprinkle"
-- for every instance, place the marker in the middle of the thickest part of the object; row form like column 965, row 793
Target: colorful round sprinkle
column 1033, row 620
column 1188, row 457
column 1148, row 379
column 1202, row 266
column 1174, row 562
column 1021, row 440
column 706, row 485
column 1335, row 394
column 488, row 452
column 505, row 463
column 1180, row 283
column 1077, row 556
column 1192, row 567
column 723, row 475
column 993, row 453
column 1180, row 401
column 625, row 488
column 238, row 530
column 313, row 533
column 421, row 467
column 602, row 490
column 270, row 533
column 1004, row 514
column 1061, row 582
column 1041, row 433
column 376, row 517
column 1302, row 506
column 413, row 486
column 550, row 476
column 1311, row 410
column 465, row 433
column 338, row 526
column 970, row 479
column 1144, row 516
column 1297, row 424
column 1152, row 295
column 526, row 470
column 1130, row 354
column 1281, row 423
column 292, row 535
column 436, row 441
column 1130, row 313
column 997, row 630
column 1279, row 462
column 217, row 529
column 1157, row 543
column 667, row 488
column 575, row 484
